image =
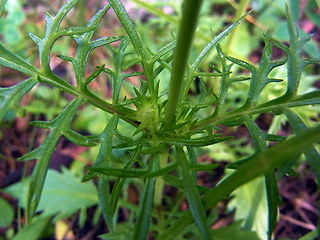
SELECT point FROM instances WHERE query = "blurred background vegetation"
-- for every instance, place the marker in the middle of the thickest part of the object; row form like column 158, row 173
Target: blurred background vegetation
column 157, row 23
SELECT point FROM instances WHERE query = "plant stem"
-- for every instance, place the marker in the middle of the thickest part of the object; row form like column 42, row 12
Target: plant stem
column 158, row 195
column 278, row 103
column 241, row 9
column 190, row 13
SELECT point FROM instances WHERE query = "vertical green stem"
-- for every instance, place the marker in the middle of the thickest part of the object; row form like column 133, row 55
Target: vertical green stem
column 158, row 195
column 242, row 7
column 190, row 13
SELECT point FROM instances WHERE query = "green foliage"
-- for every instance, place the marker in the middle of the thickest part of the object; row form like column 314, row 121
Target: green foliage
column 251, row 207
column 11, row 96
column 46, row 101
column 168, row 125
column 35, row 230
column 63, row 194
column 273, row 14
column 228, row 233
column 7, row 213
column 10, row 24
column 59, row 126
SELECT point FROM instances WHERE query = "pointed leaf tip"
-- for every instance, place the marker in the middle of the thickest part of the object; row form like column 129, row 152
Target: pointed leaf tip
column 42, row 124
column 34, row 38
column 34, row 154
column 77, row 138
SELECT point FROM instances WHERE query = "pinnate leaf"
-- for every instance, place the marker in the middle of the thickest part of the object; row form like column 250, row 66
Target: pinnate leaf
column 59, row 126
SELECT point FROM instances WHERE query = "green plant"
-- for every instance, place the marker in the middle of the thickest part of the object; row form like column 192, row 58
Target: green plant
column 168, row 125
column 9, row 25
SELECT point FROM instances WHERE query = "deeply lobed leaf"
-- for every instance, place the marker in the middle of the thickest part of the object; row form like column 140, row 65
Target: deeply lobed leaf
column 59, row 127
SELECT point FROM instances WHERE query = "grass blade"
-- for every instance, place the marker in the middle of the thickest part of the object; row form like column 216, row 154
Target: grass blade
column 192, row 194
column 273, row 199
column 143, row 222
